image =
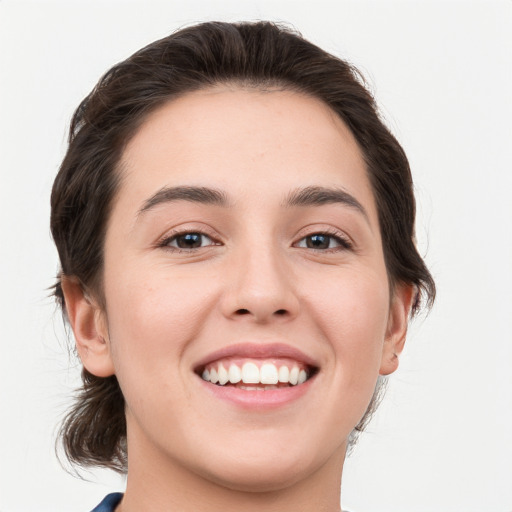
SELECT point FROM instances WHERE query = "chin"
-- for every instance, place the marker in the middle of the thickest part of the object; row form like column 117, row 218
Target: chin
column 268, row 470
column 262, row 478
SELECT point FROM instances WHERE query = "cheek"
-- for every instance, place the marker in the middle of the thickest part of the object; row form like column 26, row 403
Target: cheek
column 348, row 310
column 154, row 314
column 352, row 310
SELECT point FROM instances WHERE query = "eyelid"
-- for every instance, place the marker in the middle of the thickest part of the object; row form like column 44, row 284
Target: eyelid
column 163, row 241
column 346, row 243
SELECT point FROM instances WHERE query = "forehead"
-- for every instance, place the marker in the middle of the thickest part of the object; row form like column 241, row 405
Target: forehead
column 246, row 141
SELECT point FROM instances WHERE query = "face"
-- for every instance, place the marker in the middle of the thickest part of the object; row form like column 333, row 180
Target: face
column 244, row 244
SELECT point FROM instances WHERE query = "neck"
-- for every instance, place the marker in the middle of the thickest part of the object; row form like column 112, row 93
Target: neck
column 157, row 483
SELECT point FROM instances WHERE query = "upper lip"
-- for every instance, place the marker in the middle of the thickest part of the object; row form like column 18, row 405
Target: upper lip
column 251, row 350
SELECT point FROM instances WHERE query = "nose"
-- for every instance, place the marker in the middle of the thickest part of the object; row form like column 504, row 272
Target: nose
column 259, row 287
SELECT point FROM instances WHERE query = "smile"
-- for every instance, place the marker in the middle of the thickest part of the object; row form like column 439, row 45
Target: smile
column 280, row 370
column 257, row 374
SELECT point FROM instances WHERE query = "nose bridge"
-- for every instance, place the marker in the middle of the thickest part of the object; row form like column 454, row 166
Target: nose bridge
column 262, row 286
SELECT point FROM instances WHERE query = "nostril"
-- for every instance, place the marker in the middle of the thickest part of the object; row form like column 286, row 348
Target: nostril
column 281, row 312
column 242, row 312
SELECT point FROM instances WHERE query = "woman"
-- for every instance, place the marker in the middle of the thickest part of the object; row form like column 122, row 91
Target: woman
column 236, row 232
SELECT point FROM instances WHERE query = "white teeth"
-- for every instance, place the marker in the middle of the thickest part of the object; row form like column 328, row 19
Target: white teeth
column 214, row 377
column 223, row 375
column 250, row 374
column 268, row 374
column 235, row 374
column 284, row 374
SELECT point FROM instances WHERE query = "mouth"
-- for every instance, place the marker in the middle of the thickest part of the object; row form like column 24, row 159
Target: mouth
column 257, row 374
column 257, row 368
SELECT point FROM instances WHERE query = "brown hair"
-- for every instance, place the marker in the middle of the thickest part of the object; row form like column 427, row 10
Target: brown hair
column 258, row 55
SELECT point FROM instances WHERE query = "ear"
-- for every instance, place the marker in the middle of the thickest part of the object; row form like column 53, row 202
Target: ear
column 399, row 312
column 89, row 326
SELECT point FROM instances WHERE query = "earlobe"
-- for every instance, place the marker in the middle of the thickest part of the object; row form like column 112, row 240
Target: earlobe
column 89, row 327
column 397, row 327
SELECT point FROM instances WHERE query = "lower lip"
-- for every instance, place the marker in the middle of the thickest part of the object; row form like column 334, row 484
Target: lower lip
column 258, row 400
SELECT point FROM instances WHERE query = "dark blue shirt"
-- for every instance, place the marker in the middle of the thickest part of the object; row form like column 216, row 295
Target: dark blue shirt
column 109, row 503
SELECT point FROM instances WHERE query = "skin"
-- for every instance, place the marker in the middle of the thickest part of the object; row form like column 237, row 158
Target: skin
column 253, row 280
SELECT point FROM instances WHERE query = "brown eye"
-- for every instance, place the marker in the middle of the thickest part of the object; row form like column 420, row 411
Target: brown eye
column 322, row 241
column 318, row 241
column 189, row 241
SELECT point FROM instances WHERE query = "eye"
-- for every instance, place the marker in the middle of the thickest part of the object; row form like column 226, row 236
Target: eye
column 189, row 240
column 323, row 241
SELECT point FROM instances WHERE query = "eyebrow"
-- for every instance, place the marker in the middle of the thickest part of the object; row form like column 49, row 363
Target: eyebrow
column 306, row 196
column 318, row 196
column 202, row 195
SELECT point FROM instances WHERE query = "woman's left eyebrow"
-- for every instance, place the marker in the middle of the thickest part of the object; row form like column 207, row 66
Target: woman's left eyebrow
column 318, row 196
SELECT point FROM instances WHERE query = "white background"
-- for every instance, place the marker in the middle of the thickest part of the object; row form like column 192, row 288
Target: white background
column 442, row 441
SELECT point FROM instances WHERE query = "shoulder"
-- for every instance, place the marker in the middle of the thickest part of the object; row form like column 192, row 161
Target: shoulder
column 109, row 502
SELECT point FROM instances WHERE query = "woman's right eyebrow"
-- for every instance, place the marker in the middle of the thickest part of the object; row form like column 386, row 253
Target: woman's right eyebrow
column 203, row 195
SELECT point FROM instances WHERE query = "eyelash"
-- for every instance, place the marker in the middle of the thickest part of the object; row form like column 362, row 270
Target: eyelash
column 343, row 241
column 164, row 243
